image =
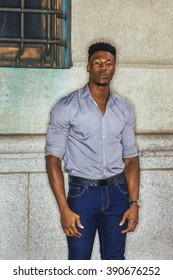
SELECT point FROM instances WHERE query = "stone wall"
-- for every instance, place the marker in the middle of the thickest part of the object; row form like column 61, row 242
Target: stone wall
column 142, row 32
column 30, row 226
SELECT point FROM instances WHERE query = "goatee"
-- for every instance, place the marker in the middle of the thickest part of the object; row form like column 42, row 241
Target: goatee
column 102, row 85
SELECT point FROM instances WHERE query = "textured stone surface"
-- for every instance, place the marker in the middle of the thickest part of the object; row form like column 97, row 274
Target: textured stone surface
column 150, row 93
column 26, row 153
column 22, row 163
column 47, row 240
column 22, row 144
column 45, row 236
column 153, row 238
column 141, row 29
column 30, row 163
column 33, row 144
column 13, row 213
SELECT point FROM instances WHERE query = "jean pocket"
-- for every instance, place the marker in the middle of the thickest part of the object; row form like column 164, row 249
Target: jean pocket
column 75, row 190
column 123, row 188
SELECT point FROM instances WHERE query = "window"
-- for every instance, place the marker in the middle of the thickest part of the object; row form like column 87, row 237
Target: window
column 35, row 33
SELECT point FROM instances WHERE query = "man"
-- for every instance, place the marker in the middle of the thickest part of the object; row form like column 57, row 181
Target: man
column 92, row 130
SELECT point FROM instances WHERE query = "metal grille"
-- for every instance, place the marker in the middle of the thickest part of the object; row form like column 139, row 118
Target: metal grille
column 35, row 33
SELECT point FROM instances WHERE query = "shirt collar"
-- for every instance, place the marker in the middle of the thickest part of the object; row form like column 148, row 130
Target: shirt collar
column 85, row 91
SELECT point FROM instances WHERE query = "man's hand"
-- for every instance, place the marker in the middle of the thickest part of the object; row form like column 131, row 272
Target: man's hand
column 69, row 220
column 132, row 215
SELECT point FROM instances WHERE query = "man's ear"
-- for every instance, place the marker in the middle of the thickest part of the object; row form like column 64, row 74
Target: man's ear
column 88, row 68
column 114, row 68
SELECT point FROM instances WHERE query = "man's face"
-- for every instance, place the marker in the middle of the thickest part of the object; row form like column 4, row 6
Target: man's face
column 101, row 68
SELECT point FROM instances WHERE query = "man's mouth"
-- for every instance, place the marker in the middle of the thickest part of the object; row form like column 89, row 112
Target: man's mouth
column 103, row 75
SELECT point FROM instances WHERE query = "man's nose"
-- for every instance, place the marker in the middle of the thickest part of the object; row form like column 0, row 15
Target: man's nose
column 103, row 65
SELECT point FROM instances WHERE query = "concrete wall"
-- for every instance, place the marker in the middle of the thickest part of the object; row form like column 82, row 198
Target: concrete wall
column 142, row 32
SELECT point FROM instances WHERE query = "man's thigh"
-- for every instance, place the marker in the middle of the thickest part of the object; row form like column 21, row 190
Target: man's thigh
column 85, row 202
column 112, row 240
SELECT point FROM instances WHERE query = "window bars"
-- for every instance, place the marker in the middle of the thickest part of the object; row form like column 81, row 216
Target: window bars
column 35, row 33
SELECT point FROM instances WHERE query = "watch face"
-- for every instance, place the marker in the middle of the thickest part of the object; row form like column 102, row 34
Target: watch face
column 136, row 202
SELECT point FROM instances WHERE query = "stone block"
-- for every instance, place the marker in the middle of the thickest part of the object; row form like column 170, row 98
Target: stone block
column 22, row 163
column 26, row 154
column 150, row 93
column 22, row 153
column 156, row 162
column 47, row 239
column 153, row 237
column 14, row 216
column 141, row 29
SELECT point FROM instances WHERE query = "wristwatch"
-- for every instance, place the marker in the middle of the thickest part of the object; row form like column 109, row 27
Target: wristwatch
column 135, row 202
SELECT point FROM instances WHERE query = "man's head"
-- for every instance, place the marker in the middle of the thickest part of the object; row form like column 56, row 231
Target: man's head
column 101, row 46
column 101, row 63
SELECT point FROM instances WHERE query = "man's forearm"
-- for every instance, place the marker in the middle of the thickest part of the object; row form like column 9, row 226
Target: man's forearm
column 132, row 174
column 69, row 219
column 56, row 180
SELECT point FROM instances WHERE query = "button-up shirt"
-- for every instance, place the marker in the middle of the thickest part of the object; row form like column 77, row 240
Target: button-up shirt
column 91, row 144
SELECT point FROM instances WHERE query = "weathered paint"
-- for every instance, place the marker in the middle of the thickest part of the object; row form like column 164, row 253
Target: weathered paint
column 28, row 96
column 66, row 34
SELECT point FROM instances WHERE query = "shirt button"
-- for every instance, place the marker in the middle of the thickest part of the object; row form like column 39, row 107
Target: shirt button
column 104, row 137
column 103, row 120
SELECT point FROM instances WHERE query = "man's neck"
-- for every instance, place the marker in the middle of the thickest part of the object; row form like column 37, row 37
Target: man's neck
column 101, row 95
column 98, row 92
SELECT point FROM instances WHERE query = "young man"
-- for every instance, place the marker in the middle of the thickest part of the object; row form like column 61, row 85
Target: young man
column 92, row 130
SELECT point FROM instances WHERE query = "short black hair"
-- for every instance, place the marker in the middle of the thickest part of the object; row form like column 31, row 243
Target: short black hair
column 101, row 46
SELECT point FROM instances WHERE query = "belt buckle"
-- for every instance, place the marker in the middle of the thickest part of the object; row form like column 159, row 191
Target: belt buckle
column 103, row 182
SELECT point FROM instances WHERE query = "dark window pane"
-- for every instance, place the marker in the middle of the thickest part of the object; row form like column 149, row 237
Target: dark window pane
column 32, row 26
column 10, row 3
column 36, row 4
column 9, row 25
column 33, row 21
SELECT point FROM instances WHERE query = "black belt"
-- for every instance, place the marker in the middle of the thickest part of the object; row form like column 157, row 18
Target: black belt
column 115, row 180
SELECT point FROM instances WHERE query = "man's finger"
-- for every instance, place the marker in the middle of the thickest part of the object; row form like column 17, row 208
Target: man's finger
column 134, row 225
column 67, row 232
column 73, row 230
column 123, row 220
column 79, row 222
column 131, row 226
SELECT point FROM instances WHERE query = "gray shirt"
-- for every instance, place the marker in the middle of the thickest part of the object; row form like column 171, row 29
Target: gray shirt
column 91, row 144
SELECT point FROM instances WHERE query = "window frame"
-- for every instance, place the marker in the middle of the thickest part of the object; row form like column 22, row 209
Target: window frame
column 54, row 51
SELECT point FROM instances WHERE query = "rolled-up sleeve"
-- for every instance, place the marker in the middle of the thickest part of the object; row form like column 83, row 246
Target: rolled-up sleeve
column 57, row 131
column 129, row 146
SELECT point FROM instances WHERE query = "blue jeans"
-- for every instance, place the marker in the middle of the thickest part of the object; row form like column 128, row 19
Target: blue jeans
column 100, row 208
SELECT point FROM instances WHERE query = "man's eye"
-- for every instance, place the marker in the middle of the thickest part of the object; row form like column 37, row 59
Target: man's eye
column 108, row 64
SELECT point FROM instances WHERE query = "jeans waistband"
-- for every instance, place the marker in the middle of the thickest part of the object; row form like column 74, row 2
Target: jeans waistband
column 115, row 180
